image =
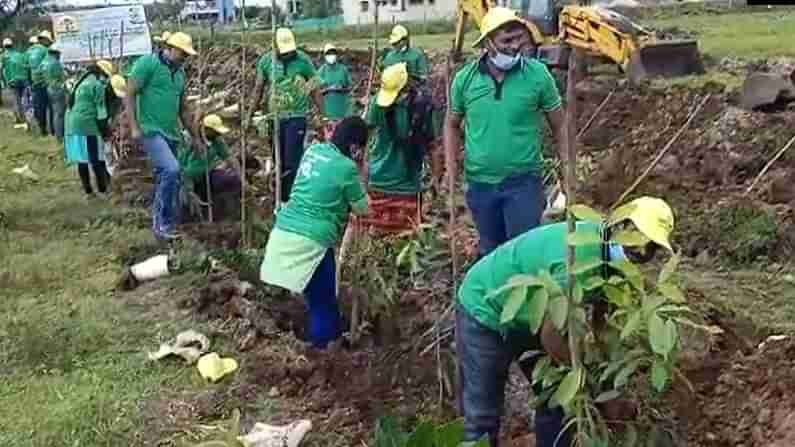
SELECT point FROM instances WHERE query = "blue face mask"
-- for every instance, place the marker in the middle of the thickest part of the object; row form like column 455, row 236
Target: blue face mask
column 504, row 62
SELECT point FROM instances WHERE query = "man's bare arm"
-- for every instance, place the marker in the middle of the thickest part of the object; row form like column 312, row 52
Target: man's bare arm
column 129, row 104
column 557, row 121
column 453, row 141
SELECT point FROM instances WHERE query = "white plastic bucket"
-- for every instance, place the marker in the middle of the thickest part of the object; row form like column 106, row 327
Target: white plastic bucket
column 153, row 268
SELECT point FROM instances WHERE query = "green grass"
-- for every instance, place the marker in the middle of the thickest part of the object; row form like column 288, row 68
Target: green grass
column 73, row 354
column 742, row 34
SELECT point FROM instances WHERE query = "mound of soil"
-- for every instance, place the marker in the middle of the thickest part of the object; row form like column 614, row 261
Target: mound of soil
column 748, row 402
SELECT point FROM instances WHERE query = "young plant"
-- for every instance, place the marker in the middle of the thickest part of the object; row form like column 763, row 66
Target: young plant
column 625, row 327
column 423, row 253
column 426, row 434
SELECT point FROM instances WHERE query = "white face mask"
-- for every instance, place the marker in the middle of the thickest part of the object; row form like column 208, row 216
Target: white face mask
column 331, row 58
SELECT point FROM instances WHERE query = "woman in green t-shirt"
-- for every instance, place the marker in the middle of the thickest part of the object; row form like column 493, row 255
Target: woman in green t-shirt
column 335, row 86
column 300, row 251
column 86, row 119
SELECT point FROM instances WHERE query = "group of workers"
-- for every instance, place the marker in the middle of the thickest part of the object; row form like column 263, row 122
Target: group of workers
column 497, row 108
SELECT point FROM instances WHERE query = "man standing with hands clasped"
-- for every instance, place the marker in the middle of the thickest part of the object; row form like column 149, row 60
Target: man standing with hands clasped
column 155, row 104
column 500, row 99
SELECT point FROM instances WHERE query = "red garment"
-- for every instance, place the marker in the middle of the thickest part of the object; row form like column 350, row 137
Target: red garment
column 392, row 213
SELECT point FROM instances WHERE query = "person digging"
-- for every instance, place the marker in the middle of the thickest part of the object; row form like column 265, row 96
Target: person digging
column 194, row 165
column 486, row 348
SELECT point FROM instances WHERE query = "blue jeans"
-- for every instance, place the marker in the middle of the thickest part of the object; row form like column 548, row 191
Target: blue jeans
column 484, row 360
column 41, row 107
column 505, row 210
column 324, row 322
column 19, row 98
column 166, row 169
column 292, row 132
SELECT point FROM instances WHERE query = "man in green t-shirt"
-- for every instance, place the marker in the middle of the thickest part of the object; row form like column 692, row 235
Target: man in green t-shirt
column 402, row 51
column 37, row 54
column 15, row 73
column 501, row 99
column 486, row 347
column 155, row 104
column 335, row 85
column 292, row 80
column 53, row 74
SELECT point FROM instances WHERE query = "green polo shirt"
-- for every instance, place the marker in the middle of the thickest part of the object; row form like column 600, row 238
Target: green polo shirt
column 333, row 78
column 389, row 170
column 416, row 62
column 89, row 106
column 292, row 96
column 326, row 188
column 15, row 66
column 503, row 123
column 192, row 162
column 36, row 55
column 540, row 249
column 53, row 74
column 160, row 90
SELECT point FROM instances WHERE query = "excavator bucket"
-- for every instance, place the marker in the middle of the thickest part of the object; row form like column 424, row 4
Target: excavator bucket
column 665, row 58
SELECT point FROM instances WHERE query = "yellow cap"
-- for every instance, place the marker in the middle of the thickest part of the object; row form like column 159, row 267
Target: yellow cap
column 211, row 366
column 163, row 37
column 182, row 42
column 399, row 32
column 392, row 82
column 495, row 18
column 119, row 85
column 653, row 217
column 285, row 40
column 329, row 47
column 105, row 66
column 215, row 123
column 46, row 35
column 33, row 39
column 7, row 42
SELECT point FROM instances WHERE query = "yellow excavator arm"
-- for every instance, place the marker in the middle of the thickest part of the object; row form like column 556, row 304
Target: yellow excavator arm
column 597, row 31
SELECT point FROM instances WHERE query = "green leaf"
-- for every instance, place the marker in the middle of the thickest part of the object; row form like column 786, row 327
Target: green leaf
column 674, row 309
column 569, row 387
column 550, row 283
column 650, row 304
column 558, row 311
column 668, row 269
column 662, row 335
column 607, row 396
column 584, row 266
column 630, row 272
column 632, row 325
column 659, row 375
column 579, row 294
column 672, row 292
column 422, row 436
column 594, row 282
column 621, row 213
column 516, row 281
column 630, row 238
column 541, row 369
column 450, row 434
column 617, row 296
column 537, row 309
column 630, row 436
column 622, row 378
column 584, row 212
column 611, row 369
column 514, row 302
column 583, row 238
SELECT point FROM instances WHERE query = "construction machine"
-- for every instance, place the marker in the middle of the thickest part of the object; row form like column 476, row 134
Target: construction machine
column 598, row 31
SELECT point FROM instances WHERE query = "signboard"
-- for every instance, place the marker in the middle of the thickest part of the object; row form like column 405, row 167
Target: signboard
column 102, row 33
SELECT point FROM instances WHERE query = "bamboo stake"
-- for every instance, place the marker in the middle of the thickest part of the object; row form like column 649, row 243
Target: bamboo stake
column 569, row 181
column 662, row 152
column 277, row 157
column 352, row 227
column 769, row 164
column 595, row 114
column 243, row 139
column 453, row 243
column 207, row 186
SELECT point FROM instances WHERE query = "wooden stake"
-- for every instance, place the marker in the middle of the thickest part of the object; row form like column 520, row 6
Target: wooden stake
column 277, row 157
column 595, row 114
column 243, row 139
column 769, row 164
column 570, row 182
column 208, row 188
column 661, row 153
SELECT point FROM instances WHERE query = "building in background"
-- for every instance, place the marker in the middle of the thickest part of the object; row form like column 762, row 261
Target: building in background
column 359, row 12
